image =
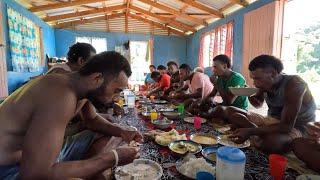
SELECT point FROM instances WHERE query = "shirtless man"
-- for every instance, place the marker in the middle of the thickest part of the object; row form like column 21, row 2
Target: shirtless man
column 291, row 107
column 33, row 123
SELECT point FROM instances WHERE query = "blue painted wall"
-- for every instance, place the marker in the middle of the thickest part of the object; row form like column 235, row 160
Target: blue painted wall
column 14, row 78
column 165, row 47
column 193, row 41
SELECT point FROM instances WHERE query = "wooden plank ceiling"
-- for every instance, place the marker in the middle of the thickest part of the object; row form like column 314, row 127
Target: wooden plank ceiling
column 160, row 17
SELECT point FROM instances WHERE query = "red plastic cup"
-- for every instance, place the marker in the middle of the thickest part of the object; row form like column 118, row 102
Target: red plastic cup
column 277, row 165
column 197, row 122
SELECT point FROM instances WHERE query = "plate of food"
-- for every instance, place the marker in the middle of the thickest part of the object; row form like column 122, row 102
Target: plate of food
column 226, row 141
column 204, row 139
column 182, row 147
column 189, row 166
column 308, row 177
column 142, row 169
column 209, row 153
column 160, row 101
column 165, row 138
column 171, row 115
column 162, row 123
column 166, row 109
column 243, row 91
column 190, row 120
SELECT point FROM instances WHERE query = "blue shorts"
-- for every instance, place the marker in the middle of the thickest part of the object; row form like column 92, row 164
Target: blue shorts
column 74, row 148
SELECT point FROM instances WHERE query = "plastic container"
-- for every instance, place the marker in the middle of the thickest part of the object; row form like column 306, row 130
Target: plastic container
column 230, row 163
column 131, row 100
column 277, row 165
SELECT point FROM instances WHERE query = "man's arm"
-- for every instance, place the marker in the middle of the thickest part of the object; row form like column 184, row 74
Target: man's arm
column 257, row 99
column 228, row 97
column 197, row 94
column 182, row 88
column 295, row 91
column 43, row 142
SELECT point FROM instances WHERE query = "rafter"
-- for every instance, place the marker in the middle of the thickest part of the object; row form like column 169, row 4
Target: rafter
column 170, row 22
column 240, row 2
column 84, row 13
column 84, row 6
column 203, row 7
column 127, row 12
column 226, row 7
column 156, row 24
column 84, row 21
column 174, row 12
column 62, row 5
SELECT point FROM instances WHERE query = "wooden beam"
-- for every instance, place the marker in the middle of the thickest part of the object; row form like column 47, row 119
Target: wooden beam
column 243, row 3
column 84, row 6
column 84, row 21
column 203, row 7
column 126, row 18
column 84, row 13
column 226, row 7
column 62, row 5
column 172, row 23
column 156, row 24
column 175, row 12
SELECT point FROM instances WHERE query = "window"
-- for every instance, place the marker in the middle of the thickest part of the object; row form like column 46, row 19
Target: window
column 301, row 43
column 215, row 42
column 100, row 44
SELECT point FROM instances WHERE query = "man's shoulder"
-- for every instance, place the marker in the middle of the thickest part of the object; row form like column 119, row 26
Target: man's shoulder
column 237, row 75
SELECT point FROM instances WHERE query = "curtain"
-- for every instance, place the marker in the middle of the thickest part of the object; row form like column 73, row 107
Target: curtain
column 24, row 39
column 220, row 42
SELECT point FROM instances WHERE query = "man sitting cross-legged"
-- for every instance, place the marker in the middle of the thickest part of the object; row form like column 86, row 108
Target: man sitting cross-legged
column 291, row 107
column 33, row 124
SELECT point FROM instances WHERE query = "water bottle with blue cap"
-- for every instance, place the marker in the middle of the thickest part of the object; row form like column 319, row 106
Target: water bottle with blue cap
column 230, row 163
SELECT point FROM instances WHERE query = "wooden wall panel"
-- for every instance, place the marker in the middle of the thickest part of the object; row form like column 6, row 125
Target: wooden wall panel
column 262, row 33
column 3, row 65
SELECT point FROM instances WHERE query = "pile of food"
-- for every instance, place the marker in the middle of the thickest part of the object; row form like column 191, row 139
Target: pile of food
column 140, row 169
column 192, row 166
column 165, row 138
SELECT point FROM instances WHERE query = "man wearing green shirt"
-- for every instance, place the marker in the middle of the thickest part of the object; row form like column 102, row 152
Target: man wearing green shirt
column 226, row 79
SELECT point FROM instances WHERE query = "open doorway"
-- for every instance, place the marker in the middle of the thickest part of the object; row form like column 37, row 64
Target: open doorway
column 140, row 59
column 301, row 43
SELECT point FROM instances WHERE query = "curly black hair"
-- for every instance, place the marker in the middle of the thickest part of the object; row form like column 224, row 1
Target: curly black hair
column 266, row 61
column 80, row 50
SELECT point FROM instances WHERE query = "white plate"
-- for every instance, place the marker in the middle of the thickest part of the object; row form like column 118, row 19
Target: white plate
column 246, row 91
column 190, row 120
column 119, row 175
column 222, row 140
column 308, row 177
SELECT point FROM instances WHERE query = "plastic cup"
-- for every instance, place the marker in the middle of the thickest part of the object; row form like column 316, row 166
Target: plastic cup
column 277, row 165
column 181, row 109
column 204, row 176
column 197, row 122
column 153, row 116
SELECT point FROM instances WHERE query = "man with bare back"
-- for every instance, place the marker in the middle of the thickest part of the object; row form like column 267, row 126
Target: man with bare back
column 34, row 118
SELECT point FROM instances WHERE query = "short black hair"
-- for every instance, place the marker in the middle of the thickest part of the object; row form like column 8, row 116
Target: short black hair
column 161, row 67
column 223, row 59
column 266, row 61
column 107, row 63
column 153, row 66
column 80, row 50
column 155, row 74
column 185, row 67
column 172, row 63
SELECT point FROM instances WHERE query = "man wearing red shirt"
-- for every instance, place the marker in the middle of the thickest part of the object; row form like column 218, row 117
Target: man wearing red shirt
column 162, row 80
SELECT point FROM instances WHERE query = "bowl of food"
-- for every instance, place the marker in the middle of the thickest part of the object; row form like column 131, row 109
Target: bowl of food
column 209, row 153
column 243, row 91
column 162, row 123
column 142, row 169
column 182, row 147
column 171, row 115
column 191, row 120
column 204, row 139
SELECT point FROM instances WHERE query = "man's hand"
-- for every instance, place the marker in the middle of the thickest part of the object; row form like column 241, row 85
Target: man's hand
column 127, row 155
column 129, row 135
column 241, row 135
